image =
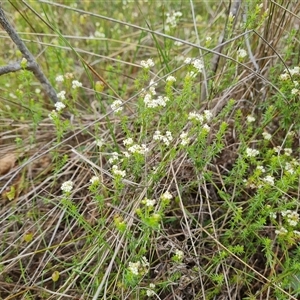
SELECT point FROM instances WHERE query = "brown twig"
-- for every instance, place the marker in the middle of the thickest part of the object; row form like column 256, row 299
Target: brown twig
column 32, row 65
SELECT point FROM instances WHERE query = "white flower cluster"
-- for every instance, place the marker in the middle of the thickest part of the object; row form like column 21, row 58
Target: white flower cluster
column 287, row 151
column 116, row 106
column 99, row 142
column 166, row 196
column 59, row 106
column 150, row 292
column 61, row 95
column 251, row 152
column 287, row 74
column 53, row 115
column 166, row 139
column 179, row 255
column 149, row 99
column 95, row 180
column 281, row 231
column 59, row 78
column 67, row 186
column 134, row 148
column 184, row 139
column 114, row 158
column 196, row 63
column 153, row 103
column 250, row 119
column 291, row 217
column 266, row 135
column 76, row 84
column 138, row 149
column 171, row 78
column 201, row 118
column 206, row 116
column 269, row 180
column 261, row 169
column 139, row 267
column 290, row 166
column 241, row 53
column 117, row 172
column 149, row 202
column 147, row 64
column 172, row 19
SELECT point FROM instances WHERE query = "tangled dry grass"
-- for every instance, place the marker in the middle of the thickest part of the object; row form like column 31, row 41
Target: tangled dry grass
column 40, row 235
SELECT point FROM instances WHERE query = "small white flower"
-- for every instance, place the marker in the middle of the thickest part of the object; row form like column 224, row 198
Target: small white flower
column 166, row 196
column 284, row 77
column 166, row 139
column 294, row 91
column 23, row 62
column 281, row 231
column 250, row 119
column 196, row 116
column 146, row 64
column 171, row 78
column 277, row 149
column 295, row 71
column 241, row 53
column 178, row 43
column 251, row 152
column 76, row 84
column 288, row 151
column 62, row 95
column 94, row 180
column 128, row 142
column 261, row 168
column 184, row 138
column 116, row 171
column 269, row 180
column 150, row 291
column 208, row 39
column 149, row 202
column 59, row 106
column 293, row 218
column 179, row 254
column 206, row 128
column 208, row 115
column 187, row 60
column 171, row 20
column 145, row 262
column 284, row 213
column 116, row 106
column 292, row 222
column 134, row 267
column 289, row 168
column 53, row 115
column 266, row 135
column 114, row 157
column 59, row 78
column 99, row 142
column 138, row 149
column 67, row 186
column 198, row 64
